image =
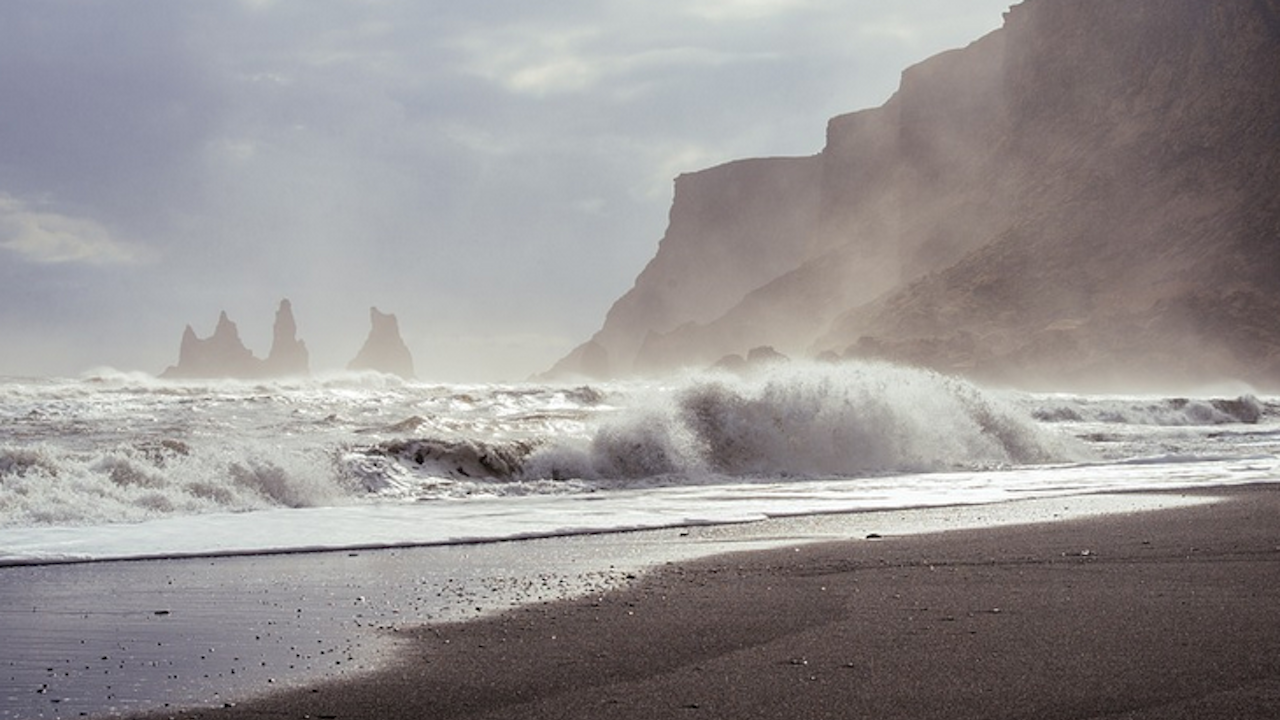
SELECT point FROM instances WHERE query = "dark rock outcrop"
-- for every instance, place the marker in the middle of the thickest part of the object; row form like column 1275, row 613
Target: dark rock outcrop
column 1084, row 196
column 384, row 350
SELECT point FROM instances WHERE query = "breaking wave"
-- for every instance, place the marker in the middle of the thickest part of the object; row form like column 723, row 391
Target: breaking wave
column 45, row 485
column 793, row 421
column 120, row 450
column 808, row 421
column 1160, row 412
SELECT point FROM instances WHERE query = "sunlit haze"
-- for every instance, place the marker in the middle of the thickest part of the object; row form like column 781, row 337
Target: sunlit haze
column 494, row 174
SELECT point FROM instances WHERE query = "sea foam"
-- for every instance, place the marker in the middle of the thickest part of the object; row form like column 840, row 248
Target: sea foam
column 45, row 485
column 119, row 466
column 805, row 420
column 116, row 448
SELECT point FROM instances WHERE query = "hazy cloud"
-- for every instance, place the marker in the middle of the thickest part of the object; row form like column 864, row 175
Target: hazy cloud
column 45, row 237
column 721, row 10
column 544, row 61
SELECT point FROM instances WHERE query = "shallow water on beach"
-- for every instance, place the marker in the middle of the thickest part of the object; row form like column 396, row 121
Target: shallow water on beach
column 113, row 638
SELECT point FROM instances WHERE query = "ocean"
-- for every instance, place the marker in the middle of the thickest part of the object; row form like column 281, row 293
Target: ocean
column 116, row 466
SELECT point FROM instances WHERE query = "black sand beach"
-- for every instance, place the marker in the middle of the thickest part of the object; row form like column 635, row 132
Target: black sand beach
column 1164, row 614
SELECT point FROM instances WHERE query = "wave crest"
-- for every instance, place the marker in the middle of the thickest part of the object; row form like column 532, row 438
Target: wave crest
column 45, row 485
column 231, row 449
column 1159, row 412
column 808, row 420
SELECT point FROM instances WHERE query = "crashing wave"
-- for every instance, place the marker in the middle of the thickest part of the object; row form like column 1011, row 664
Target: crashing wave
column 807, row 420
column 389, row 466
column 241, row 447
column 1162, row 412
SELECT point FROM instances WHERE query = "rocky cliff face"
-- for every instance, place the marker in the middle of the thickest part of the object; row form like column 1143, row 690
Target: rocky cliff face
column 1086, row 196
column 713, row 254
column 1140, row 238
column 384, row 350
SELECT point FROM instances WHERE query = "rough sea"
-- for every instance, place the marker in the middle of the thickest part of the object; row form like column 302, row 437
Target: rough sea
column 114, row 465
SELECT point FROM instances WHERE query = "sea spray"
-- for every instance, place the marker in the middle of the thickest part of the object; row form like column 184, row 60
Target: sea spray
column 117, row 448
column 1164, row 412
column 47, row 485
column 120, row 466
column 805, row 420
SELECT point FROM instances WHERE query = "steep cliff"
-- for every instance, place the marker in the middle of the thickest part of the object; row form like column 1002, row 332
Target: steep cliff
column 1086, row 195
column 731, row 228
column 1142, row 238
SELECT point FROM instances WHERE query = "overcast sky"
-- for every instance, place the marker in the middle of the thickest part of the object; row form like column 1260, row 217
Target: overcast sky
column 495, row 173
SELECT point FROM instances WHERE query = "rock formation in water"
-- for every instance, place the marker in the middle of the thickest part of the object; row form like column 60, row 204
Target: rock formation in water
column 384, row 350
column 224, row 355
column 288, row 354
column 1085, row 196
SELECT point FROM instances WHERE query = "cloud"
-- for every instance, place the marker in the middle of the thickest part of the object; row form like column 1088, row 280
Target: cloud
column 534, row 60
column 729, row 10
column 540, row 59
column 51, row 238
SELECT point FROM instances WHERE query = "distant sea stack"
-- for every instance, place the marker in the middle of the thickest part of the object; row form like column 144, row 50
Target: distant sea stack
column 288, row 354
column 223, row 354
column 1083, row 198
column 384, row 350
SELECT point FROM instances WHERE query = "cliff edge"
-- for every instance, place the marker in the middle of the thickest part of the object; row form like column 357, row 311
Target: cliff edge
column 1084, row 197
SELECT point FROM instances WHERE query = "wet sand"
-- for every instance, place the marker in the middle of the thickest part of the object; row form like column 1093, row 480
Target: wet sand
column 110, row 638
column 1164, row 614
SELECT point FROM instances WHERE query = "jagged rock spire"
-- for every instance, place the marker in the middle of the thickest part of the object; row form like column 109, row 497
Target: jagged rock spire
column 288, row 354
column 223, row 354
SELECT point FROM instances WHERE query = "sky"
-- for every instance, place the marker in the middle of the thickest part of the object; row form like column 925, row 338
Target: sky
column 496, row 173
